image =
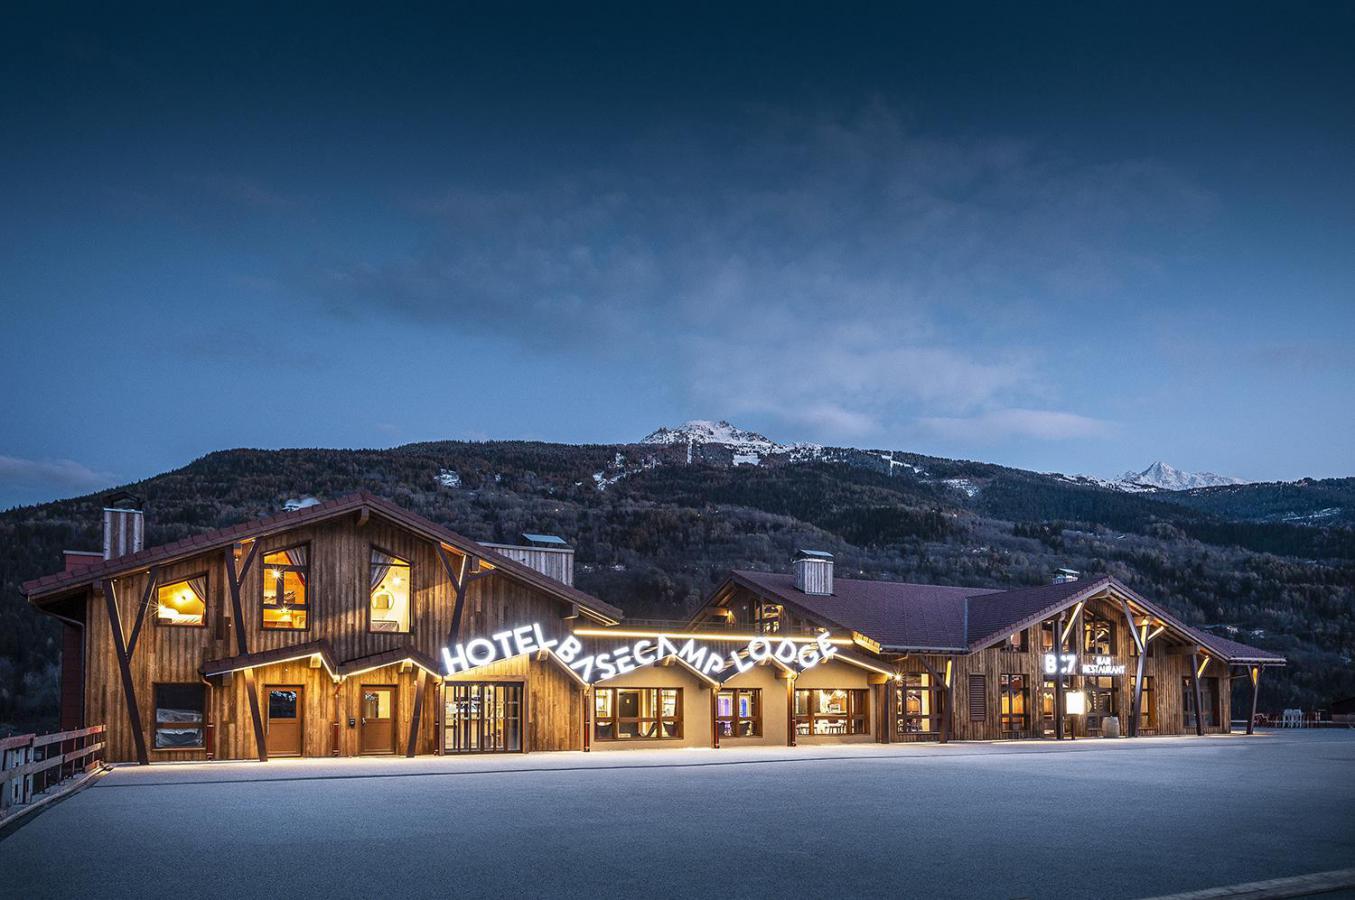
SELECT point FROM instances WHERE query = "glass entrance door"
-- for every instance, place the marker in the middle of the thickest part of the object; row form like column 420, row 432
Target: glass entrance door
column 482, row 717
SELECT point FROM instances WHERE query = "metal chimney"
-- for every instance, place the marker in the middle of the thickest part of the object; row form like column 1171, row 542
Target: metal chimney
column 124, row 525
column 814, row 572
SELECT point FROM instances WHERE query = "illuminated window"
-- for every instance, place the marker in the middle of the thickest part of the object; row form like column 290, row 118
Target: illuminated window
column 1013, row 718
column 919, row 704
column 1148, row 708
column 769, row 618
column 285, row 575
column 1046, row 637
column 1015, row 643
column 831, row 711
column 179, row 716
column 1102, row 700
column 637, row 714
column 738, row 713
column 1098, row 634
column 182, row 602
column 389, row 593
column 1209, row 689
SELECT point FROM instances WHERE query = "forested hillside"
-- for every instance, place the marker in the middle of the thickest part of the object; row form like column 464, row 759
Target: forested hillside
column 656, row 526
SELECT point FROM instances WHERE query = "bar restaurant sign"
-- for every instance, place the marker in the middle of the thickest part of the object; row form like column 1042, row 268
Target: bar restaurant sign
column 1067, row 664
column 700, row 655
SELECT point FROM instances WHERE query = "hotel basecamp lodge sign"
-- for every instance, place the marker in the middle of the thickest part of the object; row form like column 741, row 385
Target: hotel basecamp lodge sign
column 1067, row 664
column 697, row 653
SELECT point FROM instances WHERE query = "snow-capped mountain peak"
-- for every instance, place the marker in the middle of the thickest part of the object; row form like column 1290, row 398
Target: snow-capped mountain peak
column 703, row 431
column 1164, row 477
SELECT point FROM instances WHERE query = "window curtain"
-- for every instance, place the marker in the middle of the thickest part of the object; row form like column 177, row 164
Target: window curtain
column 381, row 564
column 297, row 557
column 199, row 588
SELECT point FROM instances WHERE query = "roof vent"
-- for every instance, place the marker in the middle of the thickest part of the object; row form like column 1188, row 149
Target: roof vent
column 547, row 553
column 814, row 572
column 1063, row 576
column 124, row 525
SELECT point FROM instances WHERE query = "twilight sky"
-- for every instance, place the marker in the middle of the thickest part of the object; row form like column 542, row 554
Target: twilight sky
column 1077, row 243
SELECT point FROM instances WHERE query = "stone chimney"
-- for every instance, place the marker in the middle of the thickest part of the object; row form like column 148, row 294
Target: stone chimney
column 814, row 572
column 547, row 553
column 1063, row 576
column 124, row 525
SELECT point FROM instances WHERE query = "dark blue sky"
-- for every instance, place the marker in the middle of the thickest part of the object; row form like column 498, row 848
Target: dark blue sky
column 1073, row 239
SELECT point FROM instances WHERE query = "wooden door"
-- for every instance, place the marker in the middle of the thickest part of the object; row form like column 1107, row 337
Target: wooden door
column 286, row 719
column 378, row 719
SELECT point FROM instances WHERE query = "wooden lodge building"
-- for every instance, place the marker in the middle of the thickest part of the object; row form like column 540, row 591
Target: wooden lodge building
column 357, row 627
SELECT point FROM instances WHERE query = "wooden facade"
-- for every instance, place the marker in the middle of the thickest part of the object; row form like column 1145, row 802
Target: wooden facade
column 341, row 686
column 328, row 664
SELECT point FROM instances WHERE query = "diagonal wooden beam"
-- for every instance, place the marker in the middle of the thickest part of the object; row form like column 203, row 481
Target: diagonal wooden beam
column 1133, row 725
column 412, row 745
column 1195, row 668
column 125, row 667
column 248, row 561
column 233, row 579
column 152, row 579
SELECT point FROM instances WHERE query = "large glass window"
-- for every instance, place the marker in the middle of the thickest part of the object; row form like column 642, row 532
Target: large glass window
column 832, row 711
column 182, row 602
column 919, row 704
column 1209, row 689
column 1102, row 700
column 1098, row 634
column 637, row 714
column 1148, row 709
column 180, row 713
column 1013, row 718
column 285, row 574
column 738, row 713
column 389, row 593
column 1016, row 642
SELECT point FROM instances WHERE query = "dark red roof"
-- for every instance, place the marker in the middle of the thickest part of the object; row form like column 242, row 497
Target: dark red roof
column 223, row 537
column 916, row 616
column 904, row 616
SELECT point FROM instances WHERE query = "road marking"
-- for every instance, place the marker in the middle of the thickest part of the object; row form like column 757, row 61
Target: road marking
column 1296, row 886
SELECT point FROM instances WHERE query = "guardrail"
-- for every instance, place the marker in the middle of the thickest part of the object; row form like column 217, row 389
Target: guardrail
column 32, row 763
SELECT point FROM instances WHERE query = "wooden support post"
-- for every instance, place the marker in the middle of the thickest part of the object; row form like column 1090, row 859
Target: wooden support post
column 888, row 715
column 125, row 667
column 413, row 744
column 715, row 718
column 1132, row 728
column 587, row 719
column 1195, row 683
column 233, row 578
column 948, row 714
column 1255, row 689
column 790, row 712
column 152, row 578
column 1058, row 678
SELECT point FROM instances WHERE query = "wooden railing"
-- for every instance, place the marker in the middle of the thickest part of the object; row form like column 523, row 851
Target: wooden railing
column 32, row 763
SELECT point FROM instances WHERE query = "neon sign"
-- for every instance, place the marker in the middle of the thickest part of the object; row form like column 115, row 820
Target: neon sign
column 626, row 658
column 1066, row 664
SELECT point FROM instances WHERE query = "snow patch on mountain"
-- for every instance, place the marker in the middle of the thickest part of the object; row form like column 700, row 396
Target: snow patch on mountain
column 747, row 448
column 1163, row 477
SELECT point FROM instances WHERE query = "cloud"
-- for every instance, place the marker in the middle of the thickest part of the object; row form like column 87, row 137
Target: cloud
column 840, row 272
column 1000, row 424
column 54, row 474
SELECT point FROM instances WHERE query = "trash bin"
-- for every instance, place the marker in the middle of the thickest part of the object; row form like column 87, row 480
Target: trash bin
column 1110, row 726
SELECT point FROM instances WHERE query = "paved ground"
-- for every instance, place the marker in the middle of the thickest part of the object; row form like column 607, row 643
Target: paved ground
column 1088, row 819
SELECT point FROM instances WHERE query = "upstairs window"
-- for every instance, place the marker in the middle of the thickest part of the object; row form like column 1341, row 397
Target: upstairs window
column 1015, row 643
column 389, row 593
column 1098, row 635
column 182, row 602
column 285, row 576
column 179, row 716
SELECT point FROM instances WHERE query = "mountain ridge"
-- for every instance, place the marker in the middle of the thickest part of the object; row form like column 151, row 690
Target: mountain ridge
column 672, row 518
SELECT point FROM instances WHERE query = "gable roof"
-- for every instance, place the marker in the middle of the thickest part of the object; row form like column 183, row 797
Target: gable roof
column 48, row 586
column 922, row 617
column 897, row 614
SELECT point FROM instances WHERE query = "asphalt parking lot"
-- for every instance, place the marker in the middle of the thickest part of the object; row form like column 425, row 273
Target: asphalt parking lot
column 1104, row 819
